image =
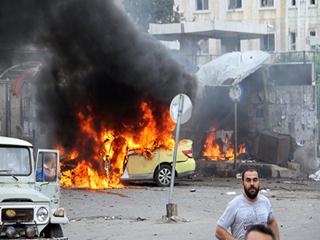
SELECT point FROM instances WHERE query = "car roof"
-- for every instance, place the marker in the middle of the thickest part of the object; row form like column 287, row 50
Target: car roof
column 14, row 142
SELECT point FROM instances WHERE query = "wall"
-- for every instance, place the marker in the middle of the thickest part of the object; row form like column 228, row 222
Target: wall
column 287, row 109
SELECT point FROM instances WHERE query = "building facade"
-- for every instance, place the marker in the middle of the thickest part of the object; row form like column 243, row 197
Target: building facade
column 17, row 100
column 292, row 25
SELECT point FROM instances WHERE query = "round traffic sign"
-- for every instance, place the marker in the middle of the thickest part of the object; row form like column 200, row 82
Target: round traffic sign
column 186, row 108
column 235, row 93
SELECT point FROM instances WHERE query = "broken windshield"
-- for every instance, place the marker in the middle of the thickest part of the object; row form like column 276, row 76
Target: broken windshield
column 14, row 161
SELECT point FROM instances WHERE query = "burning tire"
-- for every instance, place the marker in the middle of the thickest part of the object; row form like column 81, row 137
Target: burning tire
column 53, row 231
column 162, row 175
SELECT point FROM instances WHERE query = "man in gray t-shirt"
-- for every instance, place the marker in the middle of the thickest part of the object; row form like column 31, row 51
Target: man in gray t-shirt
column 245, row 210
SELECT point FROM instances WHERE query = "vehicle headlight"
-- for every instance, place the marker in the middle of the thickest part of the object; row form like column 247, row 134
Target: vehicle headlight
column 42, row 214
column 11, row 213
column 59, row 212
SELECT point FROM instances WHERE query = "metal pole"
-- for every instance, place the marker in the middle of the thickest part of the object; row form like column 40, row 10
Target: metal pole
column 235, row 152
column 180, row 108
column 8, row 109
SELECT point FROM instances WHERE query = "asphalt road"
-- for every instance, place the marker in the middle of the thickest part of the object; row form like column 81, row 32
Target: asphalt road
column 137, row 212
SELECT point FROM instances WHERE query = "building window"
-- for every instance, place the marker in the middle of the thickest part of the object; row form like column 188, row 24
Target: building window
column 203, row 46
column 312, row 2
column 312, row 33
column 266, row 3
column 293, row 41
column 202, row 5
column 293, row 2
column 268, row 43
column 233, row 4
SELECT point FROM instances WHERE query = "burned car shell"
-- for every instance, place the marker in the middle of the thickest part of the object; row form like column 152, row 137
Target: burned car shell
column 27, row 208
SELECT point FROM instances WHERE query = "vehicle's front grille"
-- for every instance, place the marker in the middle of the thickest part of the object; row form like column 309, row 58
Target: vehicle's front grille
column 17, row 200
column 17, row 214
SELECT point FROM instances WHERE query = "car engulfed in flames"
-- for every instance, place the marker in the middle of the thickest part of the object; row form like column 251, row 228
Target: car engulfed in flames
column 100, row 157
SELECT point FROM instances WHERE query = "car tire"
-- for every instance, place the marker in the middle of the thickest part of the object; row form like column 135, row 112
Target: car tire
column 53, row 231
column 163, row 174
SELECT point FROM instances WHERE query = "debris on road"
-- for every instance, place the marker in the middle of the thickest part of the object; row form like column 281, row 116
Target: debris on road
column 174, row 219
column 315, row 176
column 265, row 191
column 231, row 193
column 287, row 189
column 141, row 219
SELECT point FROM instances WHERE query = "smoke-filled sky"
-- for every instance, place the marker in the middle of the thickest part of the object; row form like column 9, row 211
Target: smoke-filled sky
column 96, row 58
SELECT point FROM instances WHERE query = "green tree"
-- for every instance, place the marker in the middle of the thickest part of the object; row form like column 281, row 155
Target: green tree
column 143, row 12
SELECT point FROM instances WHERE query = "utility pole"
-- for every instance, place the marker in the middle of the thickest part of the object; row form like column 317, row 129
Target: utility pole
column 235, row 151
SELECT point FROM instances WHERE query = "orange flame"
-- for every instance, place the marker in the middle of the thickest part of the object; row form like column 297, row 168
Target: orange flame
column 103, row 166
column 223, row 151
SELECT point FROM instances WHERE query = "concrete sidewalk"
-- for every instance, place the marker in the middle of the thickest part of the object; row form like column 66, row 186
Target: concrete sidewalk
column 227, row 168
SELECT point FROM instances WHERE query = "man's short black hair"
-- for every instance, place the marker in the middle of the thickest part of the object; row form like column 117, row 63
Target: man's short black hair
column 249, row 169
column 260, row 228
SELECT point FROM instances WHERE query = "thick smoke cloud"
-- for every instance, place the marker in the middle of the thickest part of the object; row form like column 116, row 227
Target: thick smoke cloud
column 20, row 23
column 97, row 61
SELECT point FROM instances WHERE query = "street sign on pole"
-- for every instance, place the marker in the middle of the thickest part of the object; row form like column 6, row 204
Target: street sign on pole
column 186, row 109
column 180, row 112
column 235, row 94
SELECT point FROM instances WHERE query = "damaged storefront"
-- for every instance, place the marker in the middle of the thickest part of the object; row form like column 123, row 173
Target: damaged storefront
column 283, row 115
column 276, row 114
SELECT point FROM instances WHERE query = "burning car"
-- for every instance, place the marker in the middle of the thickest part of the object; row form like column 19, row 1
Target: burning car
column 158, row 166
column 30, row 207
column 102, row 158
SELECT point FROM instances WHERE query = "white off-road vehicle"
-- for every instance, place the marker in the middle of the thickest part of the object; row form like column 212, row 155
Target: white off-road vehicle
column 29, row 192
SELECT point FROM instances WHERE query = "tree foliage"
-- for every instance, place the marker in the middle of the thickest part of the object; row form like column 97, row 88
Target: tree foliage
column 144, row 12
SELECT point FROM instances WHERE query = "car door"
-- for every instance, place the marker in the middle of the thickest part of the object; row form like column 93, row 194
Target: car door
column 138, row 164
column 47, row 174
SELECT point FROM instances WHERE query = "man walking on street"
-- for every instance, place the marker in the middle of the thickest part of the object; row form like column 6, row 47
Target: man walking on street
column 245, row 210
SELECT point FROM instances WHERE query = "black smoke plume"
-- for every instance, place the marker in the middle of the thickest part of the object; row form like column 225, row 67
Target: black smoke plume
column 96, row 61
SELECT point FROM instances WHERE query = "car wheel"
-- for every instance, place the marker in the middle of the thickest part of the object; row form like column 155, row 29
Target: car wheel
column 53, row 231
column 163, row 175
